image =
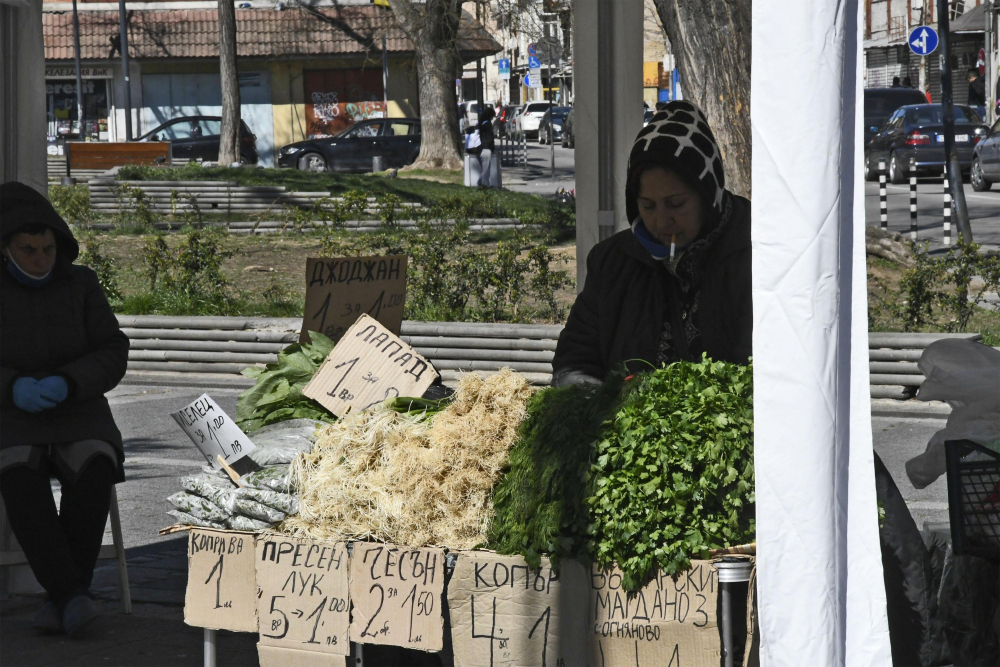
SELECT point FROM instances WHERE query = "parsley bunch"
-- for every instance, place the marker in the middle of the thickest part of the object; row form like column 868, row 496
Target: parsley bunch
column 672, row 473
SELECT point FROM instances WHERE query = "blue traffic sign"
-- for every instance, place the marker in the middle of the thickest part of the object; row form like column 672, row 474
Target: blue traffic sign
column 503, row 66
column 923, row 40
column 531, row 49
column 534, row 63
column 527, row 81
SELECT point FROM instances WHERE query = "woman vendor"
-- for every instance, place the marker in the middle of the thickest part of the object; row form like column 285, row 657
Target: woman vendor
column 677, row 284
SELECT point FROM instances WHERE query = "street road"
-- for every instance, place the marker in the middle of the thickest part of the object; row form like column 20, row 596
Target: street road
column 984, row 212
column 536, row 178
column 157, row 454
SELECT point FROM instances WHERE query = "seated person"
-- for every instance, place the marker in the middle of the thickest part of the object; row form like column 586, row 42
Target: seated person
column 677, row 284
column 60, row 350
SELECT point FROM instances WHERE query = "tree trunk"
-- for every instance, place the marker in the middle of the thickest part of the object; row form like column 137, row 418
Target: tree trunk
column 433, row 29
column 229, row 138
column 710, row 40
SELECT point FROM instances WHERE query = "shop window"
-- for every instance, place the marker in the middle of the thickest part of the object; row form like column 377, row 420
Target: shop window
column 62, row 109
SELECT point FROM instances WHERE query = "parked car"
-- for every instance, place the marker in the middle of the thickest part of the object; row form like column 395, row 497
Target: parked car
column 527, row 121
column 397, row 140
column 881, row 103
column 468, row 113
column 197, row 138
column 568, row 134
column 551, row 126
column 916, row 132
column 986, row 160
column 511, row 122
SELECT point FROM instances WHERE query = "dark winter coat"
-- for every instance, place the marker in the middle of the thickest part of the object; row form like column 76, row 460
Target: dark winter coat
column 628, row 296
column 64, row 327
column 632, row 309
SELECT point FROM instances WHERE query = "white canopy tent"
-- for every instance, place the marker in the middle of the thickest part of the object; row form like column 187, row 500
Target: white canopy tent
column 820, row 584
column 22, row 94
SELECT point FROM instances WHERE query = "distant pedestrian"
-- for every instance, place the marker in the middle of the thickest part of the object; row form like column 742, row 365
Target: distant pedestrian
column 484, row 151
column 61, row 350
column 895, row 82
column 907, row 83
column 977, row 92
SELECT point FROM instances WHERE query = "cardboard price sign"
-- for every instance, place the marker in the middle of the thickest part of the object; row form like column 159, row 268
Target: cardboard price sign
column 397, row 595
column 341, row 289
column 367, row 367
column 303, row 594
column 220, row 590
column 504, row 613
column 212, row 431
column 669, row 622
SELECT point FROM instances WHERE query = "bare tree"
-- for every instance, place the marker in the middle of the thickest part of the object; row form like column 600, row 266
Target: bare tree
column 432, row 27
column 229, row 138
column 710, row 40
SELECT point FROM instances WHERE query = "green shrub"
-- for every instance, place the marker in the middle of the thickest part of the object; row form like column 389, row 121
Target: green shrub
column 72, row 202
column 673, row 473
column 103, row 266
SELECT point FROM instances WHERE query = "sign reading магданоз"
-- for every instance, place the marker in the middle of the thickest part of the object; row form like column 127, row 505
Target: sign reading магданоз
column 212, row 431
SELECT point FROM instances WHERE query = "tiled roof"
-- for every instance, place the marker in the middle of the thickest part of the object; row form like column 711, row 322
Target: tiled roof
column 293, row 31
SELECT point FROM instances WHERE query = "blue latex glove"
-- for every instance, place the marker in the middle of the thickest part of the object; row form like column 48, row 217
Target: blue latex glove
column 27, row 394
column 54, row 388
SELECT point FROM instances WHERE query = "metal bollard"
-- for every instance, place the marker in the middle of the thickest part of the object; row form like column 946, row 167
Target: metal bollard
column 210, row 637
column 377, row 164
column 732, row 572
column 947, row 209
column 913, row 199
column 882, row 202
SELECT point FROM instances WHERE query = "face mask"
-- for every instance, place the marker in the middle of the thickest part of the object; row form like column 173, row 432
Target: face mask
column 23, row 277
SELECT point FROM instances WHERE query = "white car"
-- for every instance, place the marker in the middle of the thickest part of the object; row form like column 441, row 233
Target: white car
column 527, row 121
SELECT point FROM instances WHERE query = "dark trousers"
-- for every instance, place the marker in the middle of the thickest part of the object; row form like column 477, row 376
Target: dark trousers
column 61, row 547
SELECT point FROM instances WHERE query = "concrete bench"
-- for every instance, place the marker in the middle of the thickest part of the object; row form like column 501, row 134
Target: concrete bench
column 227, row 345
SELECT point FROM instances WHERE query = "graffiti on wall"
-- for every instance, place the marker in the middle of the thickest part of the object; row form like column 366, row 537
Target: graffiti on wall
column 337, row 99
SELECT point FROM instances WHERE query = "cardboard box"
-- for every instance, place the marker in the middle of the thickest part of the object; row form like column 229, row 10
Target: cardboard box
column 397, row 595
column 340, row 289
column 274, row 656
column 369, row 365
column 303, row 596
column 504, row 613
column 669, row 622
column 221, row 593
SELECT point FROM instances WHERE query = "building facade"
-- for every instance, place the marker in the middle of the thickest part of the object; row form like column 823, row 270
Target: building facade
column 303, row 71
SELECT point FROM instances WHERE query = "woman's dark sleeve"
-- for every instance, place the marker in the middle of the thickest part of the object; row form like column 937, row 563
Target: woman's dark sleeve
column 579, row 348
column 102, row 368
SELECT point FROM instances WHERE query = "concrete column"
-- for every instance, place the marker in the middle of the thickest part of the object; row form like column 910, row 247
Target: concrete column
column 608, row 39
column 22, row 95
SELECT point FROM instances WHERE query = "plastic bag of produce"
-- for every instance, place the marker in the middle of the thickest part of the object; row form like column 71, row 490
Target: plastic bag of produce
column 282, row 442
column 274, row 478
column 284, row 502
column 189, row 520
column 255, row 510
column 198, row 507
column 246, row 523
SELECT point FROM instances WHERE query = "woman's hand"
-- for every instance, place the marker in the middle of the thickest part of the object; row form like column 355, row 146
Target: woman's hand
column 34, row 396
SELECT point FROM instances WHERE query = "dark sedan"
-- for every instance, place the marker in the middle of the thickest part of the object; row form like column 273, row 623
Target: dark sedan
column 397, row 140
column 915, row 132
column 197, row 138
column 986, row 161
column 880, row 103
column 551, row 126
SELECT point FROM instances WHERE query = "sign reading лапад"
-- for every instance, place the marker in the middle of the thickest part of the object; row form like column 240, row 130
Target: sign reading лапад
column 212, row 431
column 397, row 595
column 368, row 366
column 340, row 289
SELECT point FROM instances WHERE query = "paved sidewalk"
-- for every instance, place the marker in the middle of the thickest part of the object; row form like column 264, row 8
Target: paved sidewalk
column 153, row 635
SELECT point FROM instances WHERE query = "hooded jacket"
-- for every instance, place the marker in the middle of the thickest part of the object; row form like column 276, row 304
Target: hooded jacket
column 64, row 327
column 636, row 310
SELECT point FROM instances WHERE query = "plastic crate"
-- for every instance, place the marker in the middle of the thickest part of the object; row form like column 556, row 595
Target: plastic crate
column 974, row 498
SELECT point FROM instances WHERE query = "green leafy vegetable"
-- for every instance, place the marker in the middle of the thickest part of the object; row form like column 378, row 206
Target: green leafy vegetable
column 673, row 471
column 539, row 504
column 277, row 396
column 426, row 408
